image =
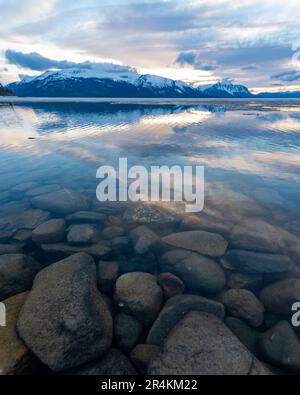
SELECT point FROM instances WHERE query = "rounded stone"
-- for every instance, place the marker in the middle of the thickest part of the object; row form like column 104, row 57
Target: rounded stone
column 139, row 294
column 52, row 231
column 242, row 303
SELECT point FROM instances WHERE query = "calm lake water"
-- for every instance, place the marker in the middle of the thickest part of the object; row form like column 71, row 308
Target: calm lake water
column 250, row 150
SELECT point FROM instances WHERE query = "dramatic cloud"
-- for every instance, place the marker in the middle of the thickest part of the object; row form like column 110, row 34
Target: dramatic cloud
column 35, row 61
column 205, row 40
column 194, row 59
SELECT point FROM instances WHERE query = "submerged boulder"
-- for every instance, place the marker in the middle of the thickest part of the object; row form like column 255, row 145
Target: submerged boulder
column 199, row 273
column 65, row 320
column 205, row 243
column 63, row 201
column 201, row 344
column 52, row 231
column 139, row 294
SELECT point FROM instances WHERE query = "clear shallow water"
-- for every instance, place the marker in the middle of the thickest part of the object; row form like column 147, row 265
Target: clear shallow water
column 250, row 150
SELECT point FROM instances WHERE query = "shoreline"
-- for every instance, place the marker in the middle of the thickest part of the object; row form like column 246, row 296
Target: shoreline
column 154, row 101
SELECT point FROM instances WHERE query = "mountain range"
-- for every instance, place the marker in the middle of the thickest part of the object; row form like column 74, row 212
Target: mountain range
column 110, row 80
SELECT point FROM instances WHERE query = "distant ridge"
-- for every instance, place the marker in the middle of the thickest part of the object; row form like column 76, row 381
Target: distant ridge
column 115, row 81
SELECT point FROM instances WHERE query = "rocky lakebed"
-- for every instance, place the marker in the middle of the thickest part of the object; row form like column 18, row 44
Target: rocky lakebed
column 96, row 288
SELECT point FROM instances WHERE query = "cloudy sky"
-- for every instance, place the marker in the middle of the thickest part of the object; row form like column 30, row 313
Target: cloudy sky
column 254, row 42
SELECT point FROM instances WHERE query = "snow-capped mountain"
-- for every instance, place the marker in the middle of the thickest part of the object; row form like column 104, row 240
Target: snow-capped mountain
column 101, row 80
column 227, row 89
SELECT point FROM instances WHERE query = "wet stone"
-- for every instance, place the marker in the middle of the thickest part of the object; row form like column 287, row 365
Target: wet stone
column 205, row 243
column 143, row 239
column 63, row 201
column 242, row 303
column 199, row 273
column 82, row 234
column 279, row 297
column 254, row 262
column 80, row 328
column 112, row 232
column 201, row 344
column 281, row 346
column 256, row 235
column 139, row 295
column 175, row 309
column 52, row 231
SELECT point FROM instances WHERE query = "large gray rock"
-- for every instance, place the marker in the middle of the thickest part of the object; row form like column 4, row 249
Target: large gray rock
column 114, row 363
column 279, row 297
column 281, row 346
column 143, row 239
column 63, row 201
column 256, row 235
column 15, row 358
column 42, row 190
column 17, row 272
column 139, row 294
column 202, row 345
column 175, row 309
column 204, row 243
column 242, row 303
column 199, row 274
column 254, row 262
column 65, row 320
column 52, row 231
